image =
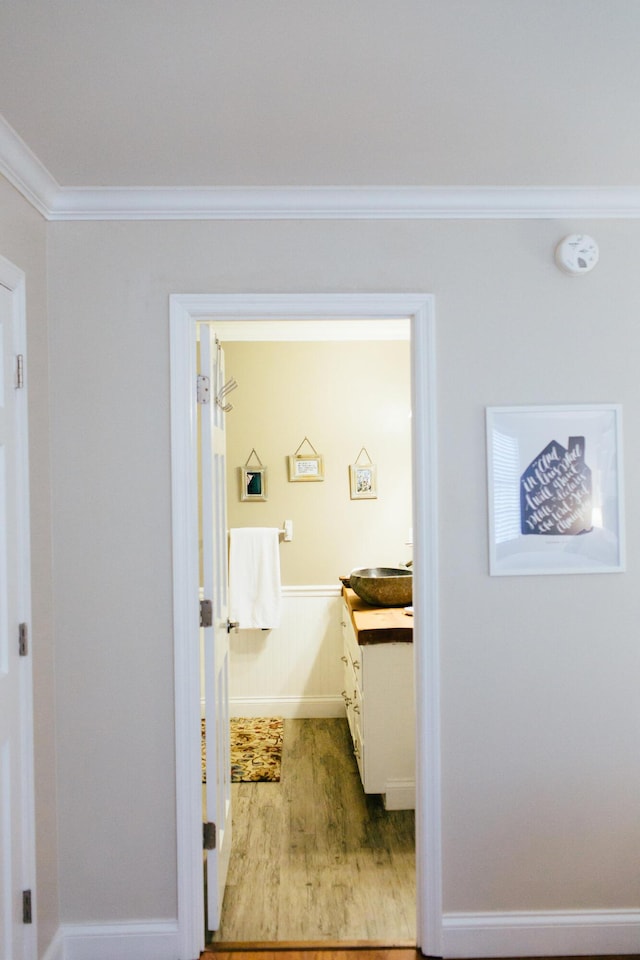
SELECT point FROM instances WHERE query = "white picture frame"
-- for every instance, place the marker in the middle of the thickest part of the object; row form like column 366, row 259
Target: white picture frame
column 555, row 489
column 363, row 481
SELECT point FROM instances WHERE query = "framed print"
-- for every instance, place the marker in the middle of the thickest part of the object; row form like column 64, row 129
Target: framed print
column 306, row 467
column 555, row 489
column 253, row 483
column 363, row 481
column 253, row 478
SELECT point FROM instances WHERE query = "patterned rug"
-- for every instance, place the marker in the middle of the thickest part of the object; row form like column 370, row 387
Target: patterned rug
column 256, row 749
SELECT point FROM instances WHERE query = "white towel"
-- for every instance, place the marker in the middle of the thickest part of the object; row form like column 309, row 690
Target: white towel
column 254, row 577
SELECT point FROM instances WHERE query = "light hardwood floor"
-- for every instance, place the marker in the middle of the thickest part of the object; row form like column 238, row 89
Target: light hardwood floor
column 302, row 953
column 315, row 859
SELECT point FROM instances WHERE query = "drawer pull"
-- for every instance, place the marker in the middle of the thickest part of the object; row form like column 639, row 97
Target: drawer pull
column 346, row 699
column 356, row 751
column 344, row 659
column 356, row 664
column 356, row 708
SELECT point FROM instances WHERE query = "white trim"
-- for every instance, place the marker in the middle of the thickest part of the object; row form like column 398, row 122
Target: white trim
column 55, row 950
column 344, row 203
column 290, row 708
column 523, row 934
column 400, row 794
column 191, row 915
column 13, row 279
column 22, row 168
column 426, row 629
column 138, row 940
column 312, row 590
column 185, row 311
column 237, row 331
column 30, row 177
column 299, row 306
column 561, row 933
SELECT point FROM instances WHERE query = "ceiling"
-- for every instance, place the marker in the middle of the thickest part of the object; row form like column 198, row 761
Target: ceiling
column 324, row 93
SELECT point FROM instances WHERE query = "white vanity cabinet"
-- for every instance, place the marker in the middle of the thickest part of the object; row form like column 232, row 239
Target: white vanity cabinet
column 379, row 696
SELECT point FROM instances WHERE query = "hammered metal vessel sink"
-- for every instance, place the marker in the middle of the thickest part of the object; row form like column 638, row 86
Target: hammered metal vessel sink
column 383, row 586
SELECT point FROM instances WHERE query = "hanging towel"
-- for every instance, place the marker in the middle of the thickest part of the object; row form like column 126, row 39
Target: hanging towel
column 254, row 577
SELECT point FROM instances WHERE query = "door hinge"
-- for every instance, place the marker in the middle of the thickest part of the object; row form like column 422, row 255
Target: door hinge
column 206, row 613
column 203, row 389
column 209, row 836
column 26, row 907
column 23, row 639
column 19, row 371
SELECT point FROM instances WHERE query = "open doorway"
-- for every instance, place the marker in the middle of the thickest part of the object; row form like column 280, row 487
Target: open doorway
column 186, row 312
column 319, row 849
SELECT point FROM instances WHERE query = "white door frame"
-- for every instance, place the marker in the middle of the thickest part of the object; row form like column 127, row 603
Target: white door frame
column 14, row 280
column 186, row 310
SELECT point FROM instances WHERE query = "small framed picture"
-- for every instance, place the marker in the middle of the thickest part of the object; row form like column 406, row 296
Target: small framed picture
column 253, row 483
column 306, row 468
column 363, row 481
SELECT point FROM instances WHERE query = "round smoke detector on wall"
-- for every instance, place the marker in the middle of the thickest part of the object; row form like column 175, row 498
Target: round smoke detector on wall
column 577, row 254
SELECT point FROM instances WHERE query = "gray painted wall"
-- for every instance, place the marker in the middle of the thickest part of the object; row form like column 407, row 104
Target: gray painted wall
column 539, row 675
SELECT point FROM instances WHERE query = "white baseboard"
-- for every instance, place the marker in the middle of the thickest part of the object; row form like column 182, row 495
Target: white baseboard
column 291, row 708
column 469, row 935
column 537, row 934
column 116, row 941
column 400, row 795
column 55, row 950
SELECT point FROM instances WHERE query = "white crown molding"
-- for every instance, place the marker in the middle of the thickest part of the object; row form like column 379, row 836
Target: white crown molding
column 345, row 203
column 30, row 177
column 25, row 172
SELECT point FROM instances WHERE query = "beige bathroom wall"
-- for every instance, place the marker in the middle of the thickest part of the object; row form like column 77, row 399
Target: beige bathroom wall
column 23, row 242
column 342, row 396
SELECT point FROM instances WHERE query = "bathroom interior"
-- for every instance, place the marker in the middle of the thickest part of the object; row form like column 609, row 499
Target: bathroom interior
column 341, row 391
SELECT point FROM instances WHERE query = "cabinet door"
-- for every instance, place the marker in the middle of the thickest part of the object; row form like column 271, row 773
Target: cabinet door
column 389, row 719
column 352, row 649
column 352, row 690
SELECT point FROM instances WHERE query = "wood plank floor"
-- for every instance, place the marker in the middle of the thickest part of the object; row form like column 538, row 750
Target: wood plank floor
column 316, row 953
column 313, row 858
column 299, row 953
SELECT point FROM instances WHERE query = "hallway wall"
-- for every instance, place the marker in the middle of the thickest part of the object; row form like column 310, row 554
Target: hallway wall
column 540, row 715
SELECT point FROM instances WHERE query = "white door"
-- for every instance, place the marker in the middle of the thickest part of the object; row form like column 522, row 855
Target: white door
column 16, row 780
column 214, row 588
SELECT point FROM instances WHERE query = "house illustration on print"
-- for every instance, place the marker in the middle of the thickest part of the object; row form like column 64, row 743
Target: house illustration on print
column 556, row 493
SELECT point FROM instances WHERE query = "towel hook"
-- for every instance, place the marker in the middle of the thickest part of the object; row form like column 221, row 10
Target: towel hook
column 222, row 393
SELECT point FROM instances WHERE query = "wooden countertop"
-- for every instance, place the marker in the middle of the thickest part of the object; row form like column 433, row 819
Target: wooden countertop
column 378, row 624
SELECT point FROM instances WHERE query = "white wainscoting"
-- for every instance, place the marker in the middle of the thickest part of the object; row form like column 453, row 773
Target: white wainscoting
column 294, row 670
